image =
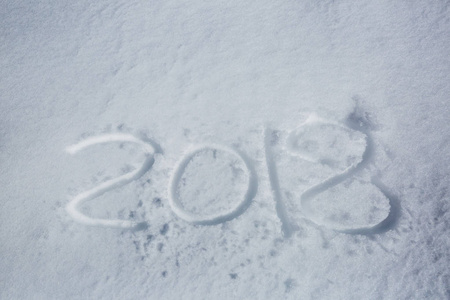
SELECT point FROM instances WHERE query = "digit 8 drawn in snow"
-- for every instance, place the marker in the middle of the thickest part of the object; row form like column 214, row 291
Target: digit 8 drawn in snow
column 328, row 143
column 304, row 142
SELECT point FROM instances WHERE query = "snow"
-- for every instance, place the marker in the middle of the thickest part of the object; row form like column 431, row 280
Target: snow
column 226, row 149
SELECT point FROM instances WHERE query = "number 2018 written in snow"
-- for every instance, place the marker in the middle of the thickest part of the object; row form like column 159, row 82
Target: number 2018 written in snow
column 307, row 142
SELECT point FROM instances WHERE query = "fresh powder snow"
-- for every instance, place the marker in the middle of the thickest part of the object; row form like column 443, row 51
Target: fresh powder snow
column 225, row 149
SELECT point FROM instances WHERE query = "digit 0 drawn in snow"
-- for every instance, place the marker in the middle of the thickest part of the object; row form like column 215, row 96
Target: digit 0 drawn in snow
column 149, row 148
column 205, row 180
column 343, row 202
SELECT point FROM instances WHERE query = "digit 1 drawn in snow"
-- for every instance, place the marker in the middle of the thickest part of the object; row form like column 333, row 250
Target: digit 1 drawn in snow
column 211, row 181
column 286, row 226
column 343, row 202
column 149, row 148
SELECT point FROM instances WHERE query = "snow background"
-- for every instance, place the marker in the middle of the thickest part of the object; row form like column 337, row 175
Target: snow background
column 199, row 72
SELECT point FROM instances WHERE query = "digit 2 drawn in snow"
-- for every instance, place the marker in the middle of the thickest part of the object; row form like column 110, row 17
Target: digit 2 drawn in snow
column 149, row 149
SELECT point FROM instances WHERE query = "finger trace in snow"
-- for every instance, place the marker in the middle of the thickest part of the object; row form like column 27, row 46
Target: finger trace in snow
column 286, row 226
column 72, row 206
column 207, row 180
column 342, row 202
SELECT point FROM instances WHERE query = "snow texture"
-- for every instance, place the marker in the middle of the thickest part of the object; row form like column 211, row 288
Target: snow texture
column 224, row 149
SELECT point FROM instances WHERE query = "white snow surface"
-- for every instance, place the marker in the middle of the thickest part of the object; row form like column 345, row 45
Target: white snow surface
column 224, row 149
